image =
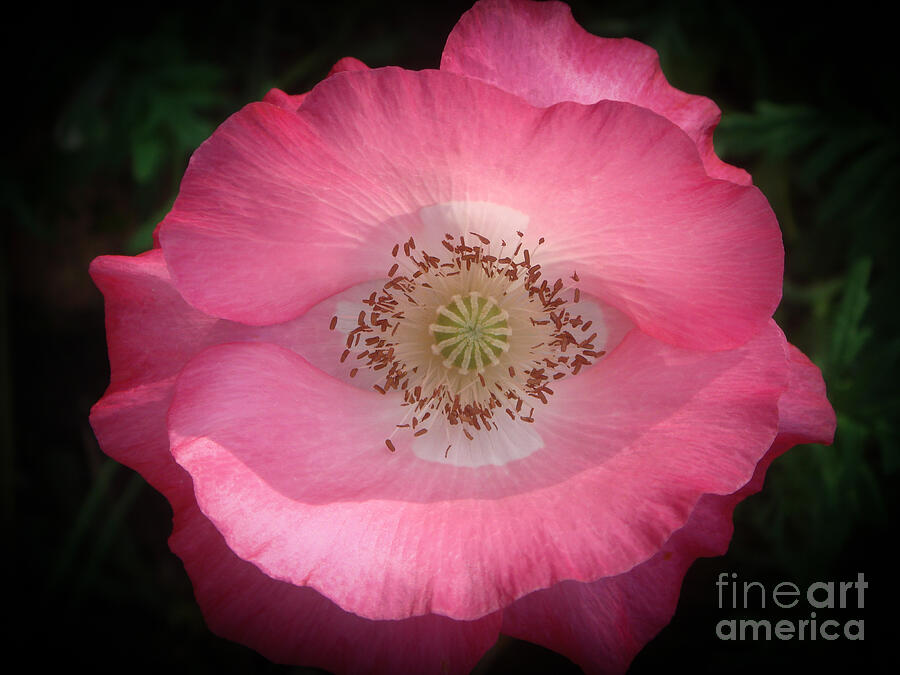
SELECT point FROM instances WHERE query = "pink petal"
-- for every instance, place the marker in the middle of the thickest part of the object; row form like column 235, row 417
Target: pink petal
column 284, row 100
column 285, row 623
column 260, row 230
column 130, row 428
column 537, row 51
column 323, row 347
column 296, row 625
column 315, row 498
column 278, row 211
column 152, row 332
column 806, row 416
column 695, row 262
column 602, row 625
column 290, row 102
column 347, row 64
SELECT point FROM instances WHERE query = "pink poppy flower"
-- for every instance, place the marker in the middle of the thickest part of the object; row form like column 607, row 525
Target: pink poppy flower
column 423, row 357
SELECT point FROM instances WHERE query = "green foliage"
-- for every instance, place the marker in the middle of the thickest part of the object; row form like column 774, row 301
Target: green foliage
column 774, row 130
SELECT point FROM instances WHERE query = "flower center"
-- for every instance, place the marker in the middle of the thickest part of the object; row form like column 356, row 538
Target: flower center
column 467, row 334
column 470, row 332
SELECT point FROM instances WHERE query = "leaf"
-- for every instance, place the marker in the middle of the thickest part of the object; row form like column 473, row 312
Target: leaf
column 836, row 147
column 848, row 335
column 146, row 155
column 854, row 183
column 777, row 130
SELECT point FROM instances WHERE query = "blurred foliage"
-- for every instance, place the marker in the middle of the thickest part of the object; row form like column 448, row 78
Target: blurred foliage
column 116, row 107
column 142, row 111
column 838, row 177
column 143, row 104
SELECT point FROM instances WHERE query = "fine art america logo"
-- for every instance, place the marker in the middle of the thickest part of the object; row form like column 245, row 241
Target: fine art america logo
column 821, row 595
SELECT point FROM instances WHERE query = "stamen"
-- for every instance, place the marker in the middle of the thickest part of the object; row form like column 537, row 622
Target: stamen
column 461, row 336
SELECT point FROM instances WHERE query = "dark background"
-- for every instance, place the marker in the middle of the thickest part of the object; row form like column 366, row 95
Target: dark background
column 105, row 107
